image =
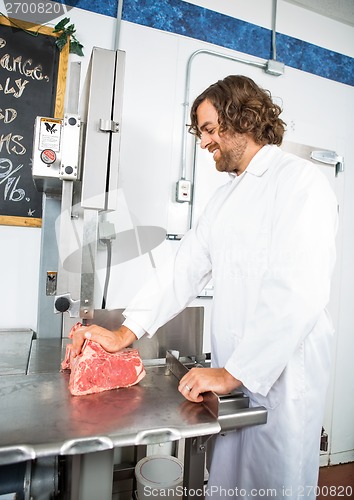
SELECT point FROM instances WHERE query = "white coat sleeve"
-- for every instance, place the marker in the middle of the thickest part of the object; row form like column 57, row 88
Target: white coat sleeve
column 174, row 286
column 295, row 286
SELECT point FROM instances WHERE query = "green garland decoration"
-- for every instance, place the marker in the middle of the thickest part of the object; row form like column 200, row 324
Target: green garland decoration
column 68, row 33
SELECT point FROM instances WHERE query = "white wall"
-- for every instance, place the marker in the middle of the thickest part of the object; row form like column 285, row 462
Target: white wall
column 20, row 258
column 319, row 112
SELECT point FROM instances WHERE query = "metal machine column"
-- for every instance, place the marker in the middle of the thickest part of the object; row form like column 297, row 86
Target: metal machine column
column 101, row 113
column 49, row 325
column 92, row 476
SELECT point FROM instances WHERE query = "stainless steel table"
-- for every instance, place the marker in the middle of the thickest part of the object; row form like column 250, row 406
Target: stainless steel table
column 15, row 348
column 39, row 418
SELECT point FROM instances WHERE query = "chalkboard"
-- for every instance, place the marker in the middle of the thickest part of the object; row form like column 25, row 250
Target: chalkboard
column 32, row 83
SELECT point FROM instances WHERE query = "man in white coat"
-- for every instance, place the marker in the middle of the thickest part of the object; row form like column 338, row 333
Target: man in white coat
column 267, row 238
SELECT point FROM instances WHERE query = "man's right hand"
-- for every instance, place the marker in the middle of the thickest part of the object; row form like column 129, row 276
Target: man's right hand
column 111, row 341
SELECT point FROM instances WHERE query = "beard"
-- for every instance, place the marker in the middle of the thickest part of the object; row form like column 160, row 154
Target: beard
column 231, row 153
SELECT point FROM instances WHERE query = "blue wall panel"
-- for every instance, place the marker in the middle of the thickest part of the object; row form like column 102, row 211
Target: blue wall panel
column 182, row 18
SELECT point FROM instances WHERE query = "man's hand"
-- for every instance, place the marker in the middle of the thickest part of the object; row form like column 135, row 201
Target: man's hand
column 111, row 341
column 199, row 380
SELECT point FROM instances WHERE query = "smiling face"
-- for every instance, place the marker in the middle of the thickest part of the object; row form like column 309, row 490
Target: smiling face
column 231, row 151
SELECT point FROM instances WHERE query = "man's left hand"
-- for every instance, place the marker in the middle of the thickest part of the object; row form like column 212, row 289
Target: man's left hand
column 199, row 380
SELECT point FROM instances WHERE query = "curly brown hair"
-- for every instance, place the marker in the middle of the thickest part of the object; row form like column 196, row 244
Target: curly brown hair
column 242, row 107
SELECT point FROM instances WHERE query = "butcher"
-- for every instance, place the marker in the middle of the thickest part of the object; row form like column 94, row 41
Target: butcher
column 267, row 239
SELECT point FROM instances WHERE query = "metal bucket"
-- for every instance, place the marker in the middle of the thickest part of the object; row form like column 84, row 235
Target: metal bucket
column 159, row 476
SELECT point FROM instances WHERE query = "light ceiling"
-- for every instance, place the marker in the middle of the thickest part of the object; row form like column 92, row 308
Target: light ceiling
column 340, row 10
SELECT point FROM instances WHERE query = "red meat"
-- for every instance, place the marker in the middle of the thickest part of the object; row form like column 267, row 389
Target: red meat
column 96, row 370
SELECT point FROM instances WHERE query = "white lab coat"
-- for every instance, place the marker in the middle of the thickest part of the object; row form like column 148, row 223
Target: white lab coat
column 267, row 238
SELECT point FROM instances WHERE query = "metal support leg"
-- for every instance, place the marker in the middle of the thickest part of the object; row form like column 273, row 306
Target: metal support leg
column 194, row 466
column 92, row 476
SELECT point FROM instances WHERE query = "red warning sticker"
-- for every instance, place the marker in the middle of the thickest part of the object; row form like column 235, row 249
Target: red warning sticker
column 48, row 156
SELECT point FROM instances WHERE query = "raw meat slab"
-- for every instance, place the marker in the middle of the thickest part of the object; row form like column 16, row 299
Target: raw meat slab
column 96, row 370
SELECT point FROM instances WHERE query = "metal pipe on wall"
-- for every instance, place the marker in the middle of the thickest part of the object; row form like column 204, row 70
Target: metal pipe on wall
column 118, row 24
column 250, row 62
column 274, row 31
column 265, row 65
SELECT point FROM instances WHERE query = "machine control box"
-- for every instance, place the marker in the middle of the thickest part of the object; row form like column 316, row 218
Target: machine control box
column 183, row 191
column 56, row 151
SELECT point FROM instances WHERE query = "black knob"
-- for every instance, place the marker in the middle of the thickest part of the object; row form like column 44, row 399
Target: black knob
column 62, row 304
column 69, row 170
